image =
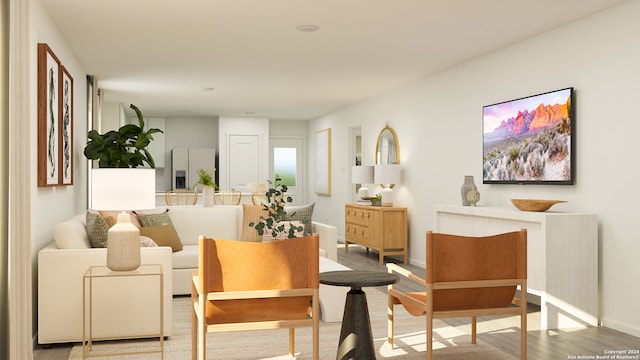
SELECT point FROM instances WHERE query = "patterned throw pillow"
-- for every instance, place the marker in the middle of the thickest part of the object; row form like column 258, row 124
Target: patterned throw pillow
column 251, row 213
column 302, row 213
column 97, row 230
column 160, row 219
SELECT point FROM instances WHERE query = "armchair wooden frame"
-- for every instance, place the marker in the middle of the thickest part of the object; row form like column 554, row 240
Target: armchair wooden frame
column 243, row 286
column 493, row 267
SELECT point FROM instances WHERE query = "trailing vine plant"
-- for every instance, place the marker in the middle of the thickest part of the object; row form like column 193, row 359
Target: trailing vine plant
column 277, row 198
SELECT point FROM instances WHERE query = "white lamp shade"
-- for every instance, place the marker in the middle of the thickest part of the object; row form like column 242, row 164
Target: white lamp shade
column 387, row 174
column 362, row 175
column 123, row 189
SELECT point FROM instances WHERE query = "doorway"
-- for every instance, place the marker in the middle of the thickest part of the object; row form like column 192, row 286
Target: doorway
column 286, row 160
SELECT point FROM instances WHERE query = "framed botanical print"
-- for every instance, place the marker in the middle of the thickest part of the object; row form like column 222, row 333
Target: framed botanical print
column 48, row 116
column 66, row 128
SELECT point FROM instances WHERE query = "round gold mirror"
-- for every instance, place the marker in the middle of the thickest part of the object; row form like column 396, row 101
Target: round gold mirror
column 387, row 147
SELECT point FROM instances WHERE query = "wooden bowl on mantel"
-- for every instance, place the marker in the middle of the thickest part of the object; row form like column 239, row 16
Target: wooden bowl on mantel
column 534, row 205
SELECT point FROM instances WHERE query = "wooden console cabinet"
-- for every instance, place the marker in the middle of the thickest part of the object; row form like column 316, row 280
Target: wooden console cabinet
column 562, row 251
column 381, row 228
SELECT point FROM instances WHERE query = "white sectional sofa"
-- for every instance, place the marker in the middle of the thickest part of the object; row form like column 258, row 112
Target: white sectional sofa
column 61, row 270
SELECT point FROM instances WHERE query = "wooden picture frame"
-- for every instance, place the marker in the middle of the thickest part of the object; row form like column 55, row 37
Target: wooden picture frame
column 48, row 116
column 323, row 162
column 66, row 127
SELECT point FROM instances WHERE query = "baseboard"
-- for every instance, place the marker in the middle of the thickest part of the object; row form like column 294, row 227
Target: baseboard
column 620, row 326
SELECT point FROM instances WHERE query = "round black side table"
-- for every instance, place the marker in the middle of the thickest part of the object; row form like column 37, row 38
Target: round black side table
column 356, row 341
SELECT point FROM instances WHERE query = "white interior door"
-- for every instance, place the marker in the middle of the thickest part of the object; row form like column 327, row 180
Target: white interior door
column 244, row 161
column 286, row 160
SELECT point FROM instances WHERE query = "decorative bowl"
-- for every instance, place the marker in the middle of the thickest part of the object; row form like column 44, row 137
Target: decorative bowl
column 367, row 198
column 534, row 205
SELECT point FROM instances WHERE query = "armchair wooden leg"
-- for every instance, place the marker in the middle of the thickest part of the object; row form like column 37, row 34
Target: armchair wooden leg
column 390, row 322
column 429, row 337
column 523, row 334
column 292, row 339
column 316, row 325
column 473, row 329
column 194, row 332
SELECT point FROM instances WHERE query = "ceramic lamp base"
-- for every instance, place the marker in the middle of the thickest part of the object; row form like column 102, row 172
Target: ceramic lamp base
column 387, row 196
column 123, row 245
column 363, row 192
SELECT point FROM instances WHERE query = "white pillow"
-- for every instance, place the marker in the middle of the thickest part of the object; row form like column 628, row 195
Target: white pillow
column 146, row 241
column 71, row 234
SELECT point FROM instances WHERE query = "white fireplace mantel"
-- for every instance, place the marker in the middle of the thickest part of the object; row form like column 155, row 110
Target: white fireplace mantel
column 562, row 251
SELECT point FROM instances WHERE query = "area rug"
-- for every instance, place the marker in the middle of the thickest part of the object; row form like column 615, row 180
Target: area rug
column 450, row 343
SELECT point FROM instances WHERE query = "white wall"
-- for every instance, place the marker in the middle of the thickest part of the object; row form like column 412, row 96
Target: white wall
column 52, row 205
column 438, row 123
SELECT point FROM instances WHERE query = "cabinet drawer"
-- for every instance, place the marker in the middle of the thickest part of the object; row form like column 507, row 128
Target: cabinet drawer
column 358, row 234
column 358, row 216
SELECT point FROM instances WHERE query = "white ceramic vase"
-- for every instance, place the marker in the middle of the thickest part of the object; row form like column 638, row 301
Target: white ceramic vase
column 207, row 196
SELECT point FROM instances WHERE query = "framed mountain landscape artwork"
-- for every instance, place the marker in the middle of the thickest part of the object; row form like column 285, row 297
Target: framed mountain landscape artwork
column 530, row 140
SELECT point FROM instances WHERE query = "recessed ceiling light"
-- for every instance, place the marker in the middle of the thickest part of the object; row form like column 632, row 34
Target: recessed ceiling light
column 307, row 28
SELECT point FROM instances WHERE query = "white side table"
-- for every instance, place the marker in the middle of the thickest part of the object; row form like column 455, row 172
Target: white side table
column 92, row 278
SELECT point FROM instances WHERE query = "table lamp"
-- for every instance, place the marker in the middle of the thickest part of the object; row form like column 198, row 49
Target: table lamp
column 362, row 175
column 123, row 189
column 387, row 176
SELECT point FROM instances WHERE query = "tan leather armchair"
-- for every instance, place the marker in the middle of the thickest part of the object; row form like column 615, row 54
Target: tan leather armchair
column 467, row 277
column 255, row 285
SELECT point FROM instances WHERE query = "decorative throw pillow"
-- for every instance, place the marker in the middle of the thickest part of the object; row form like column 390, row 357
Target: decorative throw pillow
column 97, row 230
column 160, row 219
column 72, row 234
column 147, row 242
column 164, row 235
column 251, row 213
column 302, row 213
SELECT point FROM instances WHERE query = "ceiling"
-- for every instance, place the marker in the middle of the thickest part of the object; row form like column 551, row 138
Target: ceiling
column 205, row 58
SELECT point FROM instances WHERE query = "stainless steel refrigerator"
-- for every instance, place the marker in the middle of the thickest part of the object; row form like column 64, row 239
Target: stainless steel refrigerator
column 185, row 163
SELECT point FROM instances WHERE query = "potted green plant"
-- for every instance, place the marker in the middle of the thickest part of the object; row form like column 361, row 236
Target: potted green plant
column 274, row 222
column 377, row 200
column 125, row 148
column 205, row 178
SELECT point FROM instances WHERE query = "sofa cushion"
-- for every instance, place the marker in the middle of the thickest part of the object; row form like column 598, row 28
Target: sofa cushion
column 251, row 213
column 72, row 234
column 186, row 259
column 164, row 235
column 97, row 230
column 302, row 213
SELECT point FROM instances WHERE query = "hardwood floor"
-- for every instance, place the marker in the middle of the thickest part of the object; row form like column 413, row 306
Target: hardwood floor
column 542, row 345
